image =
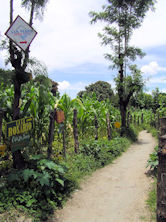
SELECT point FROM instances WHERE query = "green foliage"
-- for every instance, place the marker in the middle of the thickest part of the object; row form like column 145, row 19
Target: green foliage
column 153, row 161
column 152, row 200
column 39, row 6
column 141, row 100
column 79, row 166
column 104, row 151
column 131, row 133
column 101, row 89
column 122, row 18
column 152, row 130
column 38, row 189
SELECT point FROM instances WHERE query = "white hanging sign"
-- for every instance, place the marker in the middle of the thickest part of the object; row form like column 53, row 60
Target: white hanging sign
column 21, row 33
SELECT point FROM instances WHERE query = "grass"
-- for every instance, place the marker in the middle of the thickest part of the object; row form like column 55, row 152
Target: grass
column 151, row 201
column 152, row 197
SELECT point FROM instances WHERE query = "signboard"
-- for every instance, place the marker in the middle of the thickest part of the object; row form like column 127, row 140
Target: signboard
column 117, row 125
column 60, row 116
column 18, row 131
column 2, row 149
column 21, row 33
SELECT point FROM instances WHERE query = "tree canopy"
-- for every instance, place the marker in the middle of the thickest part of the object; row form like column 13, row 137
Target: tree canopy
column 122, row 17
column 101, row 89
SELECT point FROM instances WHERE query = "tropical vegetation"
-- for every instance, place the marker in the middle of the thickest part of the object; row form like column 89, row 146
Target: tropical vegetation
column 71, row 137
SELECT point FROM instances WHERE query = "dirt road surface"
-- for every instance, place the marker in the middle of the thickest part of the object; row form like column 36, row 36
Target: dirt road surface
column 116, row 193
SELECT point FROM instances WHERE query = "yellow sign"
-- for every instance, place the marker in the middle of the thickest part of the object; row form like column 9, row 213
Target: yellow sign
column 2, row 149
column 117, row 125
column 19, row 126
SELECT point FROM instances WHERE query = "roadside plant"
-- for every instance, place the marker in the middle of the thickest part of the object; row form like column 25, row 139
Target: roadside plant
column 38, row 189
column 153, row 161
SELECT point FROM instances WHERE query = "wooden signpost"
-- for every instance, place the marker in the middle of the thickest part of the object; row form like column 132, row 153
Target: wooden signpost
column 21, row 33
column 19, row 132
column 59, row 116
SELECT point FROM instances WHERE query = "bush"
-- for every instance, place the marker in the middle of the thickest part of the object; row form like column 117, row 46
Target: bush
column 152, row 130
column 153, row 161
column 79, row 166
column 132, row 133
column 104, row 151
column 152, row 200
column 38, row 189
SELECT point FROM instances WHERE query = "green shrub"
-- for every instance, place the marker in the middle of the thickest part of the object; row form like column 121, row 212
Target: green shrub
column 152, row 200
column 79, row 166
column 153, row 161
column 132, row 133
column 152, row 130
column 38, row 189
column 104, row 151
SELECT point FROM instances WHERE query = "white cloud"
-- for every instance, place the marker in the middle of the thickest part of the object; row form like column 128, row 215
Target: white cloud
column 152, row 68
column 163, row 90
column 66, row 38
column 152, row 33
column 71, row 88
column 157, row 80
column 63, row 85
column 113, row 85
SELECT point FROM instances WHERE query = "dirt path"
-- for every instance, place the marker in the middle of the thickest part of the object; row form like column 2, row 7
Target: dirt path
column 116, row 193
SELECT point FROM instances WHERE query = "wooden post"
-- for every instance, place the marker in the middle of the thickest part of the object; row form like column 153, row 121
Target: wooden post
column 128, row 119
column 142, row 118
column 138, row 121
column 51, row 132
column 131, row 119
column 75, row 131
column 108, row 126
column 158, row 120
column 64, row 141
column 1, row 118
column 96, row 128
column 18, row 159
column 151, row 124
column 134, row 119
column 161, row 174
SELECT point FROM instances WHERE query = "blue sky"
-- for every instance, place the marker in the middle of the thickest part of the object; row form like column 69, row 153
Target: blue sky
column 69, row 46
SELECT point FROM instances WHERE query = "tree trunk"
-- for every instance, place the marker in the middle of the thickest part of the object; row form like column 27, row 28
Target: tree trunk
column 131, row 119
column 108, row 127
column 158, row 121
column 75, row 131
column 142, row 118
column 123, row 111
column 11, row 11
column 138, row 121
column 134, row 119
column 18, row 160
column 17, row 96
column 121, row 95
column 64, row 142
column 128, row 119
column 51, row 133
column 161, row 174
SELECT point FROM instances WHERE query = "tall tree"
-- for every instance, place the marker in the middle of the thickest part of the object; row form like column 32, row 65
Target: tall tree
column 122, row 17
column 102, row 90
column 19, row 61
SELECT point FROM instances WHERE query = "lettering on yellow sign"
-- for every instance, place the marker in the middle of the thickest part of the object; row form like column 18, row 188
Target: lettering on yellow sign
column 19, row 127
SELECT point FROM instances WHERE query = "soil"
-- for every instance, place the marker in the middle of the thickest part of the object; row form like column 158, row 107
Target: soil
column 115, row 193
